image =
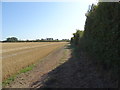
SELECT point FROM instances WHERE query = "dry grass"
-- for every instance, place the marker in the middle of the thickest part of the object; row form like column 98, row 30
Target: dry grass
column 19, row 55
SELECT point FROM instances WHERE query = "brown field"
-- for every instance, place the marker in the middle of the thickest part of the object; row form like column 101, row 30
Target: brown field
column 16, row 56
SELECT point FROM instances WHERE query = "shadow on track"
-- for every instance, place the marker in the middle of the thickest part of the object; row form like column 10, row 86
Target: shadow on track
column 76, row 72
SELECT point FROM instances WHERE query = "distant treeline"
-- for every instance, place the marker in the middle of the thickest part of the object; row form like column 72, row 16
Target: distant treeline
column 14, row 39
column 101, row 37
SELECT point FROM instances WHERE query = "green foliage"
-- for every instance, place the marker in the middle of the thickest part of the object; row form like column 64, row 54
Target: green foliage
column 12, row 39
column 13, row 77
column 101, row 37
column 101, row 34
column 77, row 36
column 29, row 68
column 6, row 82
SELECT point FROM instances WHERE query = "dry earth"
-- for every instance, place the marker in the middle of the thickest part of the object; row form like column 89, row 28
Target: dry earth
column 75, row 73
column 44, row 66
column 16, row 56
column 61, row 69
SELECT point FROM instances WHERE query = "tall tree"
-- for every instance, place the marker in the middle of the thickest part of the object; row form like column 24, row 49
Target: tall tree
column 12, row 39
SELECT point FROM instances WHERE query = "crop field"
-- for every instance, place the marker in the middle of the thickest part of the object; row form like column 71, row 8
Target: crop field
column 16, row 56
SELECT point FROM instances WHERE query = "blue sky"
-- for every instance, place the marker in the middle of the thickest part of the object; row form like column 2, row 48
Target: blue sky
column 36, row 20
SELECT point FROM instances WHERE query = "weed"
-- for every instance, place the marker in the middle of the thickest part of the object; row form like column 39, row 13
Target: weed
column 12, row 78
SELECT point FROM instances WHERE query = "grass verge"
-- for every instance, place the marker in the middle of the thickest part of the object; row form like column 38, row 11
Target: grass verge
column 12, row 78
column 63, row 60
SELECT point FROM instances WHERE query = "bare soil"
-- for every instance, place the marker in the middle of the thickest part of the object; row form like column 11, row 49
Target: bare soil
column 22, row 56
column 62, row 69
column 42, row 67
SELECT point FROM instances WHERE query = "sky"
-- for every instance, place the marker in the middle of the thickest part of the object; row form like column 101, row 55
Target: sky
column 36, row 20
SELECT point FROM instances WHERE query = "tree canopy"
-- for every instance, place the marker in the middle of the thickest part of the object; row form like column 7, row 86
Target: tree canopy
column 101, row 38
column 12, row 39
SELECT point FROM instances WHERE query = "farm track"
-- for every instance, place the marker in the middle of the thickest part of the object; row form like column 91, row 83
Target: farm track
column 16, row 56
column 25, row 80
column 75, row 72
column 61, row 69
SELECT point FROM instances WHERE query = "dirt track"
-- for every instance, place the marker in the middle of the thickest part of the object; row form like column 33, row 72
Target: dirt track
column 75, row 72
column 16, row 56
column 61, row 69
column 44, row 66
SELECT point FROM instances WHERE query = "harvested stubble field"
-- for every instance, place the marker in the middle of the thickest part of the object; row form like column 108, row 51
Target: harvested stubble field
column 16, row 56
